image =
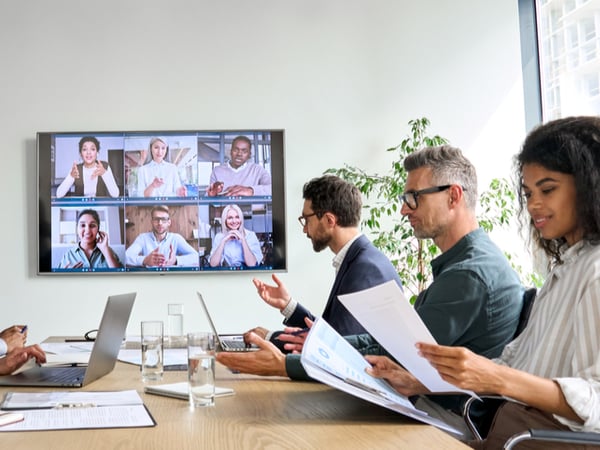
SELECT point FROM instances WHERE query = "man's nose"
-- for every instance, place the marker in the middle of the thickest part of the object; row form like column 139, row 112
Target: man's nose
column 404, row 209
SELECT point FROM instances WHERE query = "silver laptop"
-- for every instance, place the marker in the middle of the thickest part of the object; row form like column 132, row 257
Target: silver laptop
column 226, row 342
column 102, row 359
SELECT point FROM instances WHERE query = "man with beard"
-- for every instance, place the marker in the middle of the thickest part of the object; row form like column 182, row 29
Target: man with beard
column 330, row 218
column 160, row 247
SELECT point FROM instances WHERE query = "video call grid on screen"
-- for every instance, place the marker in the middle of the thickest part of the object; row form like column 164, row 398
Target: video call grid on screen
column 125, row 166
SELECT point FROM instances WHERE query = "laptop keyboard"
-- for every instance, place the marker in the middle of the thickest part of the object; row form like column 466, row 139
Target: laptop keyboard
column 234, row 345
column 72, row 375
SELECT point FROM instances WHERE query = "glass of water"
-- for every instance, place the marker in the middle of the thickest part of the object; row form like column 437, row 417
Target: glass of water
column 152, row 350
column 175, row 324
column 201, row 368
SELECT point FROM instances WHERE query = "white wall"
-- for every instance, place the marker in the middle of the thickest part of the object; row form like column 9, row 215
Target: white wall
column 342, row 77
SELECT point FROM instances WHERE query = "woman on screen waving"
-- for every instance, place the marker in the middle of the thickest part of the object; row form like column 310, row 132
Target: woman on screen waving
column 91, row 177
column 552, row 369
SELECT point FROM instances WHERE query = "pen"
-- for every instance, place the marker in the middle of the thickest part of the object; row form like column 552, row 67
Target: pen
column 24, row 329
column 74, row 405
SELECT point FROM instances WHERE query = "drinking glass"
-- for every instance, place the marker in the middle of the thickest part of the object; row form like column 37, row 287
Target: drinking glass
column 152, row 350
column 201, row 369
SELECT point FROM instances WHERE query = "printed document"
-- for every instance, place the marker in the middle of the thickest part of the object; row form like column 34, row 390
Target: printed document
column 330, row 359
column 390, row 318
column 76, row 410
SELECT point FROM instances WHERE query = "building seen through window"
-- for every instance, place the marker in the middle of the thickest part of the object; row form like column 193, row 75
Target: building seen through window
column 569, row 54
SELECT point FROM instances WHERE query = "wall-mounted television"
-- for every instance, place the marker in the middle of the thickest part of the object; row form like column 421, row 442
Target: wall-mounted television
column 161, row 202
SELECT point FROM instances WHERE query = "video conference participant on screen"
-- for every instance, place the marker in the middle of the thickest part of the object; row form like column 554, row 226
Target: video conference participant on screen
column 239, row 177
column 159, row 178
column 235, row 246
column 93, row 250
column 92, row 178
column 160, row 247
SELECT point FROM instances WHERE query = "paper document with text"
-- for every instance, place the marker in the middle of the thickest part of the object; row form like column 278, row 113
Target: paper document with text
column 389, row 317
column 65, row 410
column 330, row 359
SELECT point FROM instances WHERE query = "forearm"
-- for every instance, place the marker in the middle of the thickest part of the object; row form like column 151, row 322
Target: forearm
column 64, row 187
column 366, row 345
column 541, row 393
column 249, row 257
column 189, row 259
column 216, row 257
column 111, row 184
column 133, row 255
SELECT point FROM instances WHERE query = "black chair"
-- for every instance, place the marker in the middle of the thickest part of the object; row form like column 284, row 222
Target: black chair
column 478, row 416
column 564, row 437
column 528, row 298
column 572, row 437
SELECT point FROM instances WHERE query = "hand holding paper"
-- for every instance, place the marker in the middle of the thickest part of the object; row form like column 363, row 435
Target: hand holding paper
column 329, row 358
column 393, row 322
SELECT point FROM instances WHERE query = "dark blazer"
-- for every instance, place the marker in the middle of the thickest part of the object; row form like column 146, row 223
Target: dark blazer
column 363, row 267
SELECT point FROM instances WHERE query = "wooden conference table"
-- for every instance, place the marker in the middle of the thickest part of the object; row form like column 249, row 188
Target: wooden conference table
column 264, row 413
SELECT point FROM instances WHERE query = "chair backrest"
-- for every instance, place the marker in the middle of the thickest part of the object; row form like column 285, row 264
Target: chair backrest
column 528, row 299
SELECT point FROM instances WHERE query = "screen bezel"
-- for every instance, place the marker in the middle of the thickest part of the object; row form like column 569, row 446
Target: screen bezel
column 45, row 173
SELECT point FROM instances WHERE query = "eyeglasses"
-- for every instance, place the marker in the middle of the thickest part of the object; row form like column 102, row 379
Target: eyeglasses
column 410, row 198
column 302, row 218
column 160, row 219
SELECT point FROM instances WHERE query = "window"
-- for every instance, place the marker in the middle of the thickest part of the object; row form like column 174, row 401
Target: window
column 564, row 37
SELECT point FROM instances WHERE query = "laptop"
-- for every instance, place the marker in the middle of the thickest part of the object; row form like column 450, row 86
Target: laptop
column 226, row 342
column 102, row 359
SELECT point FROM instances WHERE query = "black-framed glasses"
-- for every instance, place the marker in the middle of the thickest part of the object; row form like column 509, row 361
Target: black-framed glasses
column 160, row 219
column 303, row 218
column 410, row 197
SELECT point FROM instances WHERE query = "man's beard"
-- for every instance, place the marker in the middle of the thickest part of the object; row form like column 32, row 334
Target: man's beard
column 320, row 244
column 430, row 232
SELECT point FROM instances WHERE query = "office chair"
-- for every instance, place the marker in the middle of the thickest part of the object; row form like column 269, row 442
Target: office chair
column 573, row 437
column 566, row 437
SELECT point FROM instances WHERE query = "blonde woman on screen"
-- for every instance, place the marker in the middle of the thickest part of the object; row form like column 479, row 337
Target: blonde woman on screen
column 235, row 246
column 159, row 178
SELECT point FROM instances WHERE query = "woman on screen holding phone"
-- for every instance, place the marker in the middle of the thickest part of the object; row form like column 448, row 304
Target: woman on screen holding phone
column 235, row 246
column 92, row 177
column 93, row 250
column 159, row 178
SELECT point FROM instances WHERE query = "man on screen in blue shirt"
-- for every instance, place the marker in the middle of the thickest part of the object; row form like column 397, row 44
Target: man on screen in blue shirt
column 160, row 247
